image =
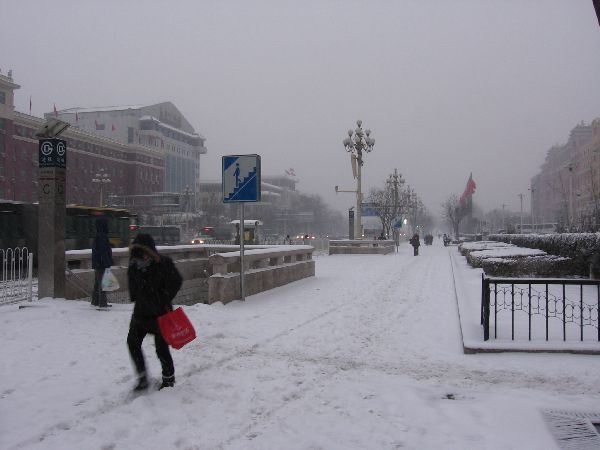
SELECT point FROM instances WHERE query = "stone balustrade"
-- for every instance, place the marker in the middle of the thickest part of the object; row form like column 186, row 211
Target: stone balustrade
column 210, row 272
column 264, row 269
column 361, row 247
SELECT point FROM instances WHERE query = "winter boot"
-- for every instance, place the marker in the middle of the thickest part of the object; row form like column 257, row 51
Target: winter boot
column 142, row 383
column 167, row 382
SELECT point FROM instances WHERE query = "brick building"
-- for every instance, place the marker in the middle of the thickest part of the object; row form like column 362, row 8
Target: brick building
column 133, row 169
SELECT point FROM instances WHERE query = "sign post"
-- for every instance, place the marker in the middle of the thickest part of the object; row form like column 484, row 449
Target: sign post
column 397, row 224
column 241, row 184
column 51, row 217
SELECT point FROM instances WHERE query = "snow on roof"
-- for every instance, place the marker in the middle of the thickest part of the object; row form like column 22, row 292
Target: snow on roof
column 99, row 109
column 250, row 222
column 154, row 119
column 272, row 187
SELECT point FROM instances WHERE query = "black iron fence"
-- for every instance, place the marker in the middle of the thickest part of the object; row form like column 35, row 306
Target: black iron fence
column 550, row 307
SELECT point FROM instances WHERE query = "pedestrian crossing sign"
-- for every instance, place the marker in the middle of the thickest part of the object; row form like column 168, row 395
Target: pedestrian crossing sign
column 241, row 178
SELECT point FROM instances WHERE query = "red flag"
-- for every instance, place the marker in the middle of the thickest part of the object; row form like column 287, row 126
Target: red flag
column 469, row 189
column 55, row 111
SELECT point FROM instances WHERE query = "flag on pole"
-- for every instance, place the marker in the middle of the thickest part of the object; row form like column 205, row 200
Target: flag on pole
column 55, row 111
column 469, row 190
column 30, row 105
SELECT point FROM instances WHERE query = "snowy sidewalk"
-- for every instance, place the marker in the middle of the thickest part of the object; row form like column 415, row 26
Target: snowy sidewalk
column 365, row 355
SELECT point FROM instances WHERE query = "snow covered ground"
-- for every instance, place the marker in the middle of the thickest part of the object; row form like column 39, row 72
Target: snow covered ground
column 365, row 355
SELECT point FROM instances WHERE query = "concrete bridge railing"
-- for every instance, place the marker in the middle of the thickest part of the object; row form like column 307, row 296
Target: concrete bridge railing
column 210, row 272
column 361, row 247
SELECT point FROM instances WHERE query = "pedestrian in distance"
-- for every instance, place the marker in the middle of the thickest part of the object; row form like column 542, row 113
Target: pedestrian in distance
column 101, row 260
column 153, row 283
column 415, row 242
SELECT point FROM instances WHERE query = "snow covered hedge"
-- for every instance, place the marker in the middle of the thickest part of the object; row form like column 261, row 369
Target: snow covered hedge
column 508, row 260
column 577, row 246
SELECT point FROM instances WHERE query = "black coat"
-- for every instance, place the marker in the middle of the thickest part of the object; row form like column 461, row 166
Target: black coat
column 101, row 251
column 153, row 288
column 414, row 241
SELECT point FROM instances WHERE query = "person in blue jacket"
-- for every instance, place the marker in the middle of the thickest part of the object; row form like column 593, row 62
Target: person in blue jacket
column 101, row 260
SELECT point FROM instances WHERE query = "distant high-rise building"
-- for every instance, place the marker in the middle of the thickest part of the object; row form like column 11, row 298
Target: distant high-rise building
column 567, row 188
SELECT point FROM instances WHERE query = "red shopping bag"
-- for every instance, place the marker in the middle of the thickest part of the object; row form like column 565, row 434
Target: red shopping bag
column 176, row 328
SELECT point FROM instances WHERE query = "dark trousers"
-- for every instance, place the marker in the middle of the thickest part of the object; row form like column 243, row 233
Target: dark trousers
column 416, row 250
column 98, row 296
column 138, row 329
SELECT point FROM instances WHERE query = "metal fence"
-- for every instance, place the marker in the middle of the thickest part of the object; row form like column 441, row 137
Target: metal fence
column 16, row 282
column 549, row 308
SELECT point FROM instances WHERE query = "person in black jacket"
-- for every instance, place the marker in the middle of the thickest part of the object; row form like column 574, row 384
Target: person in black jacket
column 101, row 260
column 153, row 283
column 415, row 242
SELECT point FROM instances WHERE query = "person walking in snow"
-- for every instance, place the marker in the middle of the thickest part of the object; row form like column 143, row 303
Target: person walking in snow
column 101, row 260
column 415, row 242
column 153, row 283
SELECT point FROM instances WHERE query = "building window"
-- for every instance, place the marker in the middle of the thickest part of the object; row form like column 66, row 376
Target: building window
column 3, row 97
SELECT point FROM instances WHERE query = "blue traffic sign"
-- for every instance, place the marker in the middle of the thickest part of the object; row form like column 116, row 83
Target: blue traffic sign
column 241, row 178
column 397, row 222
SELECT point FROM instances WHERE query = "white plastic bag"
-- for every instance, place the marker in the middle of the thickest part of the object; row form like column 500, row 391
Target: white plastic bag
column 109, row 281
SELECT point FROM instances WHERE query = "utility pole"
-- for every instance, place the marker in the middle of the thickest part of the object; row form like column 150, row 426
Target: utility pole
column 532, row 190
column 503, row 218
column 521, row 197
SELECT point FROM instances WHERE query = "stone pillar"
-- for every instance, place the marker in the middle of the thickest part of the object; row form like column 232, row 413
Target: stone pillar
column 51, row 218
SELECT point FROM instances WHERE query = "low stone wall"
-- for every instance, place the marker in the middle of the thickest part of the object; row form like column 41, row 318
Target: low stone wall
column 361, row 247
column 202, row 266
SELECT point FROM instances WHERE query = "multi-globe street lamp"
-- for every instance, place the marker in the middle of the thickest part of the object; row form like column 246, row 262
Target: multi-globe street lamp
column 356, row 143
column 102, row 178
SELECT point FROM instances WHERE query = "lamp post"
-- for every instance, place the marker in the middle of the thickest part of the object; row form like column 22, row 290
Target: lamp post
column 396, row 181
column 102, row 178
column 357, row 142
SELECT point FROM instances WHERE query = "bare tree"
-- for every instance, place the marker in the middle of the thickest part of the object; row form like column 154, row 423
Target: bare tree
column 382, row 201
column 453, row 212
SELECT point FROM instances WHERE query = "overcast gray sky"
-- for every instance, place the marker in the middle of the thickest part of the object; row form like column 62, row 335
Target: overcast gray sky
column 447, row 87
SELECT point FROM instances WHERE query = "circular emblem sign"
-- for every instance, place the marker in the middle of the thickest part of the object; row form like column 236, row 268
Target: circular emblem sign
column 47, row 148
